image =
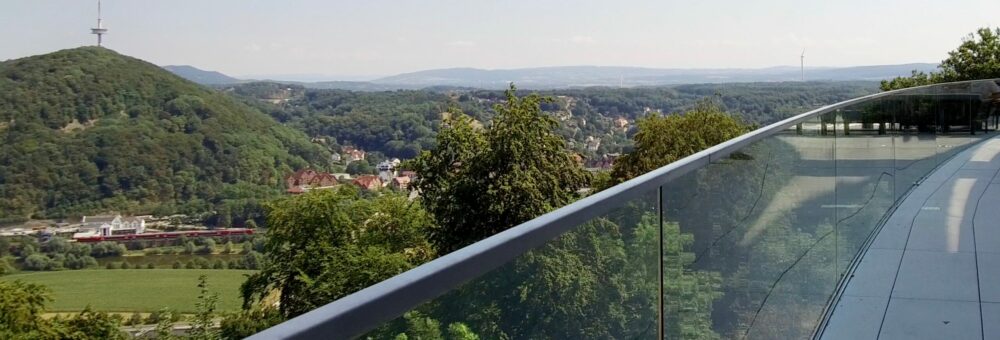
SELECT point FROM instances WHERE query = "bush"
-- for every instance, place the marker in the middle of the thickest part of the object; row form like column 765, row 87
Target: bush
column 125, row 265
column 249, row 322
column 206, row 250
column 134, row 320
column 190, row 265
column 107, row 249
column 178, row 265
column 109, row 266
column 189, row 247
column 219, row 264
column 228, row 248
column 136, row 245
column 156, row 316
column 37, row 262
column 202, row 263
column 253, row 260
column 150, row 266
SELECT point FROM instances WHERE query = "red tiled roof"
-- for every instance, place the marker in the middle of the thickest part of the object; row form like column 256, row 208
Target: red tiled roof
column 368, row 181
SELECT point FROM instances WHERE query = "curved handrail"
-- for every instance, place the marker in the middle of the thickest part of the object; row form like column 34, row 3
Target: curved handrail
column 370, row 307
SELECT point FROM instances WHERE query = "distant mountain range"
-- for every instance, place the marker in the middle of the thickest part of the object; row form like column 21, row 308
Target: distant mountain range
column 201, row 76
column 582, row 76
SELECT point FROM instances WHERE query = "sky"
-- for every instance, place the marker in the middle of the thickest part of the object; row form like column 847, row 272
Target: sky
column 358, row 40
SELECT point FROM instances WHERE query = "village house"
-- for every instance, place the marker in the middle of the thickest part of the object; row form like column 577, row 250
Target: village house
column 621, row 123
column 352, row 154
column 387, row 169
column 400, row 183
column 308, row 179
column 368, row 182
column 409, row 173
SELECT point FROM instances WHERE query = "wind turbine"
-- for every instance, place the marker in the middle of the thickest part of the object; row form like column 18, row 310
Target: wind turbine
column 802, row 64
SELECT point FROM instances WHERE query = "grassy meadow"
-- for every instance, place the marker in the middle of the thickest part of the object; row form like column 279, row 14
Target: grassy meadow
column 135, row 290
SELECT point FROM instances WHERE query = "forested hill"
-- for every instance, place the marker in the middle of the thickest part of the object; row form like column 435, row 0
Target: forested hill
column 88, row 130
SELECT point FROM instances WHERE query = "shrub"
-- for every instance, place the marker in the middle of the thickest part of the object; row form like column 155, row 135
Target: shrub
column 135, row 319
column 150, row 266
column 178, row 265
column 189, row 247
column 202, row 263
column 37, row 262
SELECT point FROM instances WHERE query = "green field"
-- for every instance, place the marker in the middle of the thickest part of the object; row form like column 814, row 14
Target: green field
column 135, row 290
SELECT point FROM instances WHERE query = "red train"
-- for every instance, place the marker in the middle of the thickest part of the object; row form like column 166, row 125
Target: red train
column 169, row 235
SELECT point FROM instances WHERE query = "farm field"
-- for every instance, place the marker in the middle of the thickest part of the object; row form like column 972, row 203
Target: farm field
column 135, row 290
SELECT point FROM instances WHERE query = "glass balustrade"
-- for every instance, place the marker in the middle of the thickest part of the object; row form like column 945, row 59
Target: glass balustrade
column 751, row 239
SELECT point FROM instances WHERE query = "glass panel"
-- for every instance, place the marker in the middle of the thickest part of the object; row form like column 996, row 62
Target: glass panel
column 865, row 172
column 598, row 281
column 754, row 244
column 758, row 245
column 915, row 143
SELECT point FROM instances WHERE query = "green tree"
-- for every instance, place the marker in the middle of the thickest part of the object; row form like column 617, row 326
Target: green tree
column 164, row 321
column 663, row 139
column 5, row 266
column 134, row 320
column 208, row 247
column 477, row 183
column 225, row 220
column 360, row 167
column 21, row 306
column 978, row 57
column 203, row 325
column 248, row 322
column 37, row 262
column 89, row 324
column 459, row 331
column 326, row 244
column 189, row 247
column 421, row 327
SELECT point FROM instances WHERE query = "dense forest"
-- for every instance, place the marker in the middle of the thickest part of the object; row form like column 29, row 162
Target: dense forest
column 89, row 130
column 404, row 122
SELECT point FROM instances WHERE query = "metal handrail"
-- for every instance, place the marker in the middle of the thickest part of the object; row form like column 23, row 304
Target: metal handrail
column 368, row 308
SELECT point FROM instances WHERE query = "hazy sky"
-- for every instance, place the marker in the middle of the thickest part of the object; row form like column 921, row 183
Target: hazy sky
column 351, row 39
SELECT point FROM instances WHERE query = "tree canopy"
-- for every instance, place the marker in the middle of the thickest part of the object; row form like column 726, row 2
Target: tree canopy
column 663, row 139
column 978, row 57
column 478, row 182
column 326, row 244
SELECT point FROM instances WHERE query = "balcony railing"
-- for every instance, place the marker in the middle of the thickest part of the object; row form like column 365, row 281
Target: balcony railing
column 748, row 239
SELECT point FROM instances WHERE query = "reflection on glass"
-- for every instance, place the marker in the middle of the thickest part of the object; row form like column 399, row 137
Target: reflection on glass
column 597, row 281
column 754, row 244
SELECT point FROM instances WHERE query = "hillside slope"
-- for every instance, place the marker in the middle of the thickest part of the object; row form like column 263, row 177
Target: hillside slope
column 88, row 130
column 201, row 76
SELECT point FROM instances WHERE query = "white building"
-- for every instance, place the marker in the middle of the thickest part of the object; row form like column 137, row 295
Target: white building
column 387, row 170
column 107, row 225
